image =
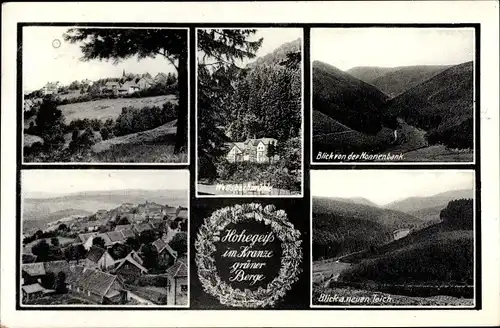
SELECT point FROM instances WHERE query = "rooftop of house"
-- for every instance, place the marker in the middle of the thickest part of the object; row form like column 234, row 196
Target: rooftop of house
column 105, row 237
column 251, row 143
column 123, row 227
column 152, row 294
column 160, row 245
column 95, row 253
column 142, row 227
column 33, row 288
column 131, row 259
column 178, row 269
column 34, row 269
column 95, row 281
column 127, row 233
column 115, row 236
column 183, row 214
column 56, row 266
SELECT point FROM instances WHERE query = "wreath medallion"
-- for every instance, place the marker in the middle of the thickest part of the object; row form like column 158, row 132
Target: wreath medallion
column 210, row 233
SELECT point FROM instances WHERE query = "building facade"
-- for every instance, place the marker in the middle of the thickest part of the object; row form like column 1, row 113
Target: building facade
column 253, row 150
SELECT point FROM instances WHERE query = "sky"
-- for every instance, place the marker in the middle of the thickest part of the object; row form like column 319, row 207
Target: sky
column 74, row 181
column 273, row 38
column 346, row 48
column 385, row 186
column 42, row 62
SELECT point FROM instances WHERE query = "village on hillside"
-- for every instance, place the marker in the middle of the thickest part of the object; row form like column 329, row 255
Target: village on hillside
column 130, row 255
column 128, row 84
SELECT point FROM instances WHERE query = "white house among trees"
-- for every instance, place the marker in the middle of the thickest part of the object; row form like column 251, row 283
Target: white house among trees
column 261, row 150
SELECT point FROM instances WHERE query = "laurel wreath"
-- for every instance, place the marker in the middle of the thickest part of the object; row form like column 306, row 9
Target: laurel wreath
column 209, row 233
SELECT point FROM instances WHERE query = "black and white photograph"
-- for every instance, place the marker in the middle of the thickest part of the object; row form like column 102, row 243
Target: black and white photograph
column 249, row 112
column 104, row 95
column 104, row 238
column 393, row 94
column 393, row 238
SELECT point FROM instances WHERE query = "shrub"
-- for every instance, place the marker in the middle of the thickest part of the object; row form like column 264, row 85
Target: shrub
column 459, row 214
column 96, row 124
column 105, row 133
column 133, row 120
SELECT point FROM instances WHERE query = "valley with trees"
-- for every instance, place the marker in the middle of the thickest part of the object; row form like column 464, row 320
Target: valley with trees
column 395, row 250
column 249, row 114
column 416, row 112
column 136, row 118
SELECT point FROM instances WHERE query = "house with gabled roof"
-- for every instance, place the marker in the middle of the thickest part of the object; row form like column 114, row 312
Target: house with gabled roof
column 116, row 236
column 56, row 266
column 144, row 82
column 123, row 227
column 146, row 295
column 178, row 285
column 161, row 78
column 252, row 150
column 128, row 87
column 99, row 258
column 166, row 254
column 138, row 228
column 111, row 87
column 34, row 291
column 103, row 236
column 51, row 88
column 32, row 272
column 95, row 285
column 182, row 214
column 130, row 267
column 84, row 237
column 127, row 233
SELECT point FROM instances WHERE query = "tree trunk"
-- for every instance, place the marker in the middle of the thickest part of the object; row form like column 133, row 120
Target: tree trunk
column 182, row 112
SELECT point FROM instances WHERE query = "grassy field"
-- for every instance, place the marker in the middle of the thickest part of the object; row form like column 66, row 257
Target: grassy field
column 138, row 153
column 438, row 153
column 109, row 108
column 62, row 241
column 323, row 270
column 151, row 146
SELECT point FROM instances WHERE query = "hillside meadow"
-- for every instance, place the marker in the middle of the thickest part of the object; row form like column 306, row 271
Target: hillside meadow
column 104, row 109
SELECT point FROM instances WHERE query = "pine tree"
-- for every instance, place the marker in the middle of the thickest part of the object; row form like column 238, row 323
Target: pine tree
column 220, row 52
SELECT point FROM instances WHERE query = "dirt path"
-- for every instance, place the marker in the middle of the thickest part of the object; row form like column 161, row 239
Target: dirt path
column 409, row 138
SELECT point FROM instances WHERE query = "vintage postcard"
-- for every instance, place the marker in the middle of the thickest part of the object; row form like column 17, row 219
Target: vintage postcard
column 279, row 164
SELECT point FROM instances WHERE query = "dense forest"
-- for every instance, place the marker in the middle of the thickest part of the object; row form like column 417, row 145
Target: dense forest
column 235, row 103
column 438, row 100
column 413, row 259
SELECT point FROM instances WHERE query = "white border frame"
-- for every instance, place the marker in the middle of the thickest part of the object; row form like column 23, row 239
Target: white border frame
column 188, row 127
column 474, row 108
column 301, row 195
column 311, row 272
column 105, row 306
